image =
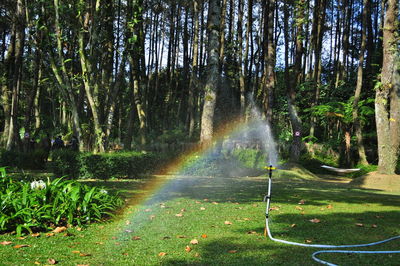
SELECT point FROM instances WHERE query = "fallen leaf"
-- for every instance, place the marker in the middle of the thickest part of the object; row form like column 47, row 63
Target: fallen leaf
column 197, row 255
column 68, row 234
column 35, row 235
column 52, row 261
column 80, row 228
column 299, row 208
column 205, row 199
column 246, row 219
column 99, row 243
column 136, row 238
column 152, row 217
column 22, row 246
column 100, row 227
column 85, row 255
column 128, row 222
column 274, row 208
column 181, row 236
column 114, row 238
column 329, row 206
column 37, row 263
column 188, row 249
column 293, row 225
column 5, row 243
column 204, row 236
column 308, row 241
column 49, row 234
column 315, row 220
column 255, row 205
column 237, row 203
column 322, row 209
column 214, row 202
column 179, row 215
column 147, row 210
column 301, row 202
column 128, row 231
column 359, row 224
column 194, row 241
column 21, row 237
column 251, row 232
column 198, row 202
column 228, row 223
column 82, row 264
column 166, row 237
column 374, row 226
column 162, row 254
column 76, row 251
column 202, row 208
column 60, row 229
column 183, row 210
column 232, row 251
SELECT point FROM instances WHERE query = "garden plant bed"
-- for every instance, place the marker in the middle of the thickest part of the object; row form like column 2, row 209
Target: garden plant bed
column 183, row 220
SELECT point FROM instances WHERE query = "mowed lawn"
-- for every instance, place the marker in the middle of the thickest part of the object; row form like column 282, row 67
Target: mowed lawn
column 178, row 220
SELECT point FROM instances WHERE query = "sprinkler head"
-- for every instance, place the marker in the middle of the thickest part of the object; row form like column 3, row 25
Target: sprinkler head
column 270, row 168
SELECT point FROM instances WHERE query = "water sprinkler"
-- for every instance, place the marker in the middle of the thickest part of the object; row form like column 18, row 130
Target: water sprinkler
column 267, row 231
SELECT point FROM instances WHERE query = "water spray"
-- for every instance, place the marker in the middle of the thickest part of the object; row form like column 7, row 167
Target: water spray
column 267, row 231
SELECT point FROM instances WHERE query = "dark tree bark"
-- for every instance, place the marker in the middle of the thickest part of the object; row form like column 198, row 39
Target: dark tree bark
column 387, row 99
column 211, row 87
column 357, row 93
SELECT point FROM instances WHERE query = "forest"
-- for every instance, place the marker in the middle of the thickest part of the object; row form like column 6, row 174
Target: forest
column 134, row 74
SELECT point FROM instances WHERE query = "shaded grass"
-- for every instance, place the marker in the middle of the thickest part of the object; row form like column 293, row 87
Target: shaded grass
column 204, row 204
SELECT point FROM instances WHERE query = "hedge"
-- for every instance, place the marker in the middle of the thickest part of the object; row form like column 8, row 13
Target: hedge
column 104, row 165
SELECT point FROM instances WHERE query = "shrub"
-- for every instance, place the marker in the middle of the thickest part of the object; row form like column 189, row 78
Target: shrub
column 251, row 158
column 116, row 165
column 25, row 160
column 104, row 165
column 28, row 207
column 65, row 162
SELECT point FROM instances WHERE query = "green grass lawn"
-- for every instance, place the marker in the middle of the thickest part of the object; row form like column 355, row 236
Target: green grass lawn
column 226, row 216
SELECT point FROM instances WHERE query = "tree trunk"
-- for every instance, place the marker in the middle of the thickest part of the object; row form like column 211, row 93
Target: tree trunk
column 292, row 83
column 387, row 109
column 193, row 76
column 211, row 87
column 317, row 36
column 242, row 85
column 19, row 27
column 357, row 93
column 134, row 59
column 268, row 82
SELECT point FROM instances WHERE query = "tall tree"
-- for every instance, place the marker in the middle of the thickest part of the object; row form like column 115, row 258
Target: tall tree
column 16, row 71
column 193, row 85
column 268, row 79
column 357, row 93
column 211, row 86
column 387, row 98
column 293, row 83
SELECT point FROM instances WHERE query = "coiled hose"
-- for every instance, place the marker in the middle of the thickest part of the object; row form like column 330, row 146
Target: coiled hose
column 267, row 198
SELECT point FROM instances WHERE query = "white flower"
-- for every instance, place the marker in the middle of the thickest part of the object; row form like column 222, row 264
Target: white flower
column 38, row 184
column 103, row 191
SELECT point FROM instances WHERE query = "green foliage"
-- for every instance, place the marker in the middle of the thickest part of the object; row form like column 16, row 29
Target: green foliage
column 343, row 111
column 65, row 162
column 250, row 158
column 364, row 169
column 103, row 165
column 35, row 206
column 116, row 165
column 23, row 160
column 175, row 135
